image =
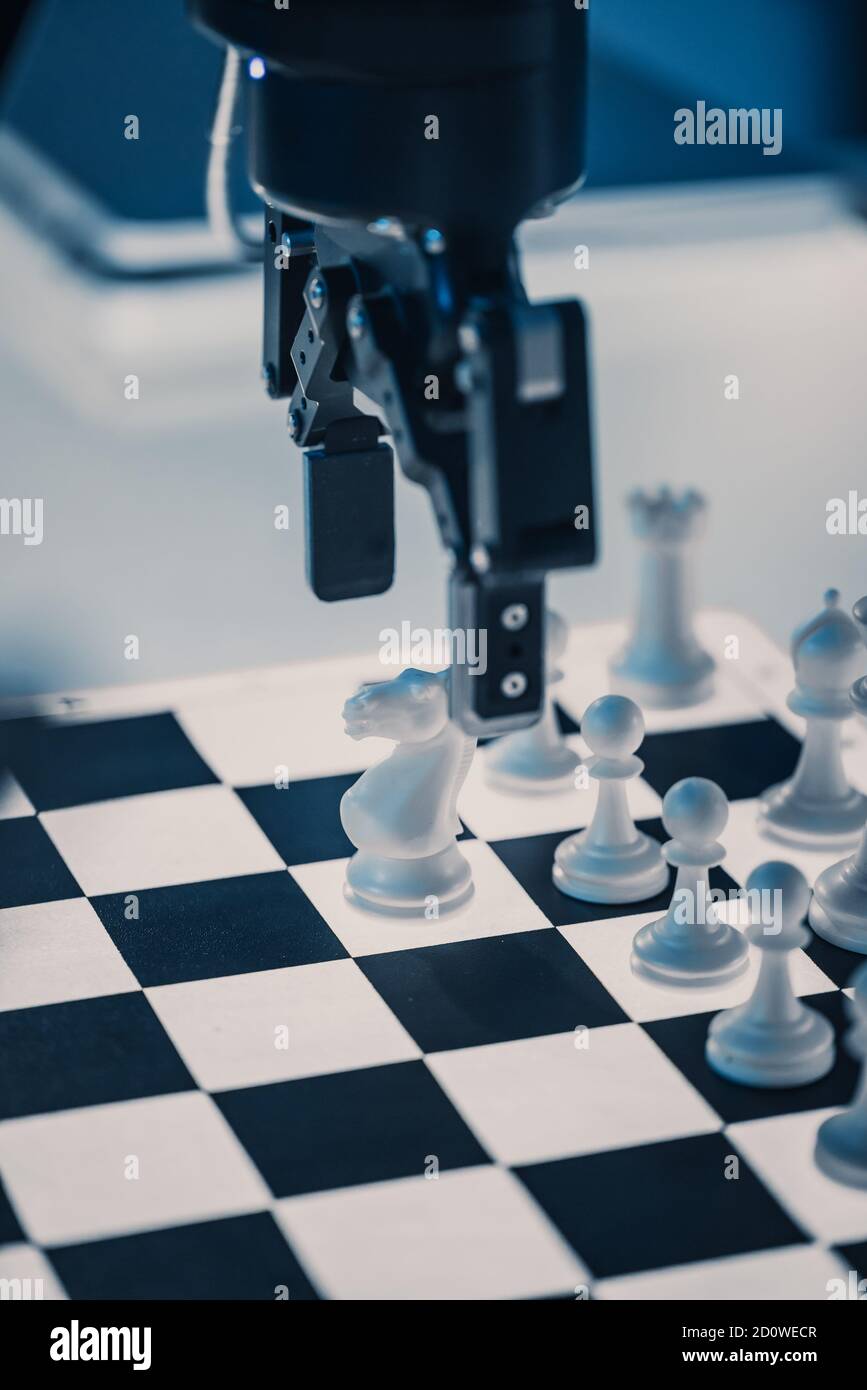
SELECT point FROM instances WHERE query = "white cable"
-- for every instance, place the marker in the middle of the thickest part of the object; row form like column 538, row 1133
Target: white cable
column 224, row 221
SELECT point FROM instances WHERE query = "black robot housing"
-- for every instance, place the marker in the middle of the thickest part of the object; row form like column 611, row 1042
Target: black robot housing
column 397, row 147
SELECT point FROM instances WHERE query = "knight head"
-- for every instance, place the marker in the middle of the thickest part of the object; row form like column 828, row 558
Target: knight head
column 410, row 708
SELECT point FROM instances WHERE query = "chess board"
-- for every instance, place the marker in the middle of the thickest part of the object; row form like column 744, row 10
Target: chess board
column 220, row 1080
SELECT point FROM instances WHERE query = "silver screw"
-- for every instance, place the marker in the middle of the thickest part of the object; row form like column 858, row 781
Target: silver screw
column 480, row 559
column 513, row 685
column 316, row 293
column 388, row 226
column 356, row 321
column 465, row 378
column 434, row 242
column 301, row 242
column 294, row 424
column 469, row 338
column 515, row 616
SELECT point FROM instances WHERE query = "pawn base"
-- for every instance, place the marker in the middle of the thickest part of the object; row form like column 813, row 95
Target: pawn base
column 526, row 772
column 688, row 683
column 433, row 886
column 794, row 1053
column 707, row 955
column 838, row 910
column 627, row 874
column 841, row 1149
column 798, row 820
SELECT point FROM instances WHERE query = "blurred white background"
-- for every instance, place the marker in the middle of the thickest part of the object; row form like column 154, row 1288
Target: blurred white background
column 159, row 512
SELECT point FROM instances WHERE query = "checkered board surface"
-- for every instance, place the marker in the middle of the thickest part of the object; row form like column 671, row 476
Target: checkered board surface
column 220, row 1080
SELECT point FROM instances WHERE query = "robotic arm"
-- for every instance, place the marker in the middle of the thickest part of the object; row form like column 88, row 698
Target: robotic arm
column 397, row 146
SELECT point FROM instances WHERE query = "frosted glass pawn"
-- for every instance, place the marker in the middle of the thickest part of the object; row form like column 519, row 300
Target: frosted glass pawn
column 662, row 664
column 611, row 861
column 838, row 911
column 817, row 805
column 691, row 945
column 537, row 759
column 841, row 1144
column 773, row 1039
